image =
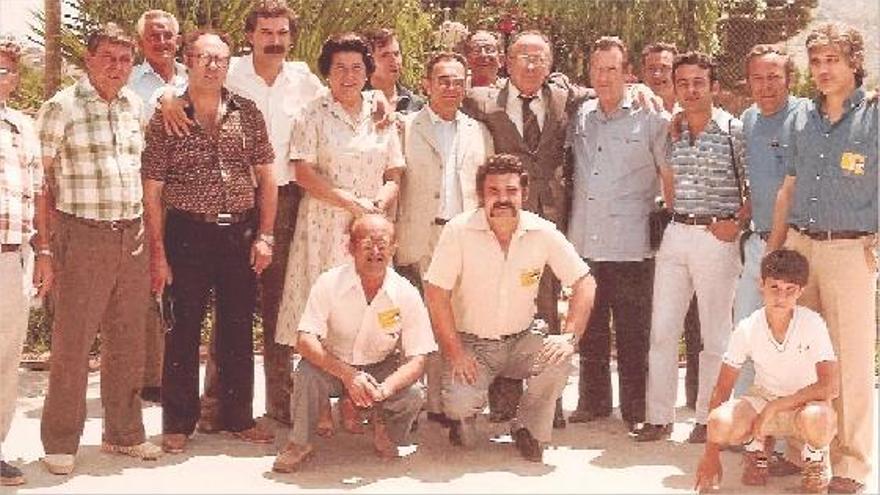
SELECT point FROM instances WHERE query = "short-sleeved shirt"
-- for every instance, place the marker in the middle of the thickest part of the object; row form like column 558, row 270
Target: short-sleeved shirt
column 493, row 293
column 616, row 158
column 147, row 84
column 765, row 156
column 210, row 173
column 358, row 332
column 293, row 88
column 703, row 172
column 781, row 368
column 21, row 176
column 96, row 146
column 835, row 165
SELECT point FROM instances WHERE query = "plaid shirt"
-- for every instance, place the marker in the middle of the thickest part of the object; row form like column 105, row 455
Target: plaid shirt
column 21, row 176
column 97, row 149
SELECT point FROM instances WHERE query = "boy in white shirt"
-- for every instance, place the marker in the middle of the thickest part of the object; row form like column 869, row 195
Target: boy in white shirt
column 796, row 378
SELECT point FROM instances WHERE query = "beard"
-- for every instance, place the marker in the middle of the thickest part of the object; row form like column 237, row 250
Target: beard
column 274, row 49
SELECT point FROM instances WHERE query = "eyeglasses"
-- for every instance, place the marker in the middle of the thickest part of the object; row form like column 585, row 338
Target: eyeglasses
column 536, row 60
column 369, row 244
column 483, row 49
column 450, row 82
column 160, row 37
column 205, row 59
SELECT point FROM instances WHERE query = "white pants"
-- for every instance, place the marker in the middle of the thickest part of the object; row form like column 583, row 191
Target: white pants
column 14, row 305
column 690, row 259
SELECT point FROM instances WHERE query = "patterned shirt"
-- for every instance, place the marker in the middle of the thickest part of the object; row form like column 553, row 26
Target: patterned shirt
column 836, row 166
column 96, row 146
column 210, row 173
column 21, row 176
column 704, row 179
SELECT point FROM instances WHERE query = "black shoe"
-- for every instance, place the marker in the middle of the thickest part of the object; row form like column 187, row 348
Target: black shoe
column 558, row 416
column 698, row 434
column 528, row 447
column 840, row 484
column 651, row 432
column 585, row 416
column 440, row 418
column 10, row 475
column 151, row 394
column 463, row 433
column 780, row 466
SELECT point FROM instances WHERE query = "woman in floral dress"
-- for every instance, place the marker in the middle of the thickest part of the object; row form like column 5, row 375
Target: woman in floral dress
column 346, row 165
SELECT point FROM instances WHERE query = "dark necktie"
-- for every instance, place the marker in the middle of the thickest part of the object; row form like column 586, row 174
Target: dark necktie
column 531, row 129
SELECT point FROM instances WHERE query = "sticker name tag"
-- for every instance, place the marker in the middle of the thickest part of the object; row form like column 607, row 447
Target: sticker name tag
column 528, row 278
column 853, row 163
column 388, row 319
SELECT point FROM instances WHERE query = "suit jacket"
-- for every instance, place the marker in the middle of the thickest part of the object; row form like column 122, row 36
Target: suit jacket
column 420, row 188
column 548, row 185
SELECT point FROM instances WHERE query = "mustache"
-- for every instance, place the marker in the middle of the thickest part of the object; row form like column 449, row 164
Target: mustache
column 274, row 49
column 500, row 205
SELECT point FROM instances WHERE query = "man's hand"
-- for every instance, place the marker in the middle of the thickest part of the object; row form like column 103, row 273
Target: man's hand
column 647, row 98
column 160, row 274
column 362, row 388
column 557, row 348
column 709, row 472
column 725, row 230
column 173, row 114
column 464, row 367
column 44, row 275
column 261, row 256
column 763, row 419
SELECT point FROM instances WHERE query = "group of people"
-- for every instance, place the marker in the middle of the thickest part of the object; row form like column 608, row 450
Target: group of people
column 392, row 238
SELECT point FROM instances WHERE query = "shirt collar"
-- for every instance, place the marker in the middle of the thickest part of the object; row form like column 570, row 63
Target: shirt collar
column 350, row 280
column 85, row 89
column 515, row 93
column 855, row 99
column 228, row 99
column 435, row 119
column 144, row 68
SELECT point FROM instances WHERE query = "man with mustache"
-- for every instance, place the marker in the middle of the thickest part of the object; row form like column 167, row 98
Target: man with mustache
column 481, row 288
column 358, row 317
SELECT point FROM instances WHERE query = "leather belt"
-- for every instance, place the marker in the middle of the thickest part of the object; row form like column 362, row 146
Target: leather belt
column 692, row 219
column 440, row 221
column 121, row 224
column 828, row 235
column 221, row 219
column 10, row 248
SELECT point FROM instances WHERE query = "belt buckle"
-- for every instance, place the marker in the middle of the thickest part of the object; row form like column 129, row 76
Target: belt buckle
column 115, row 225
column 224, row 219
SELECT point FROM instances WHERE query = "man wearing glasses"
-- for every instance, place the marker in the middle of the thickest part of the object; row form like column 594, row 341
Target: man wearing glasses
column 91, row 140
column 443, row 148
column 217, row 186
column 365, row 332
column 485, row 58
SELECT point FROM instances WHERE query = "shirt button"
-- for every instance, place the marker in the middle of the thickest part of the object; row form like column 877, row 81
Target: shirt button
column 600, row 149
column 812, row 220
column 814, row 199
column 821, row 155
column 818, row 177
column 827, row 135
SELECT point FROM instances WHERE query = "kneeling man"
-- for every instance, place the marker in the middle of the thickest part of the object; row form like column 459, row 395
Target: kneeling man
column 356, row 317
column 482, row 284
column 796, row 378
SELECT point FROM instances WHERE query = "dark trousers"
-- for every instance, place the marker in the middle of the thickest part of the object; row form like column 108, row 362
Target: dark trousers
column 623, row 298
column 204, row 257
column 693, row 344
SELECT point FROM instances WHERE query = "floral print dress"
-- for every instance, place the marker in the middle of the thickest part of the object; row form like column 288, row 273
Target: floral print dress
column 350, row 153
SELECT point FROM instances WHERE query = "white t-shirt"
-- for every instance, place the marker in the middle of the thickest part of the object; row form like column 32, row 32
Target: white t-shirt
column 360, row 333
column 782, row 368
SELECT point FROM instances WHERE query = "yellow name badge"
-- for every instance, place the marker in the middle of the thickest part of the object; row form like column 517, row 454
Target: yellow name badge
column 853, row 163
column 528, row 278
column 389, row 319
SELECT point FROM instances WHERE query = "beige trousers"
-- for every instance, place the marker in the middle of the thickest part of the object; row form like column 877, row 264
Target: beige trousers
column 13, row 329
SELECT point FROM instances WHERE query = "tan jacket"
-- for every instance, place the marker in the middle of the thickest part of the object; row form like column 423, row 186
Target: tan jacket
column 420, row 192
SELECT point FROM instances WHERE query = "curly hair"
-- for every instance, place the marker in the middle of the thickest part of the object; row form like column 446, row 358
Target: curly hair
column 849, row 41
column 786, row 265
column 346, row 42
column 501, row 164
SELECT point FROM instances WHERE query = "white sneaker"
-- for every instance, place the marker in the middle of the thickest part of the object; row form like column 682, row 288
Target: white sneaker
column 144, row 451
column 59, row 463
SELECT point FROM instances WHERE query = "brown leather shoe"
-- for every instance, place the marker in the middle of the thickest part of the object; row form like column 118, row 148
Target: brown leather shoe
column 755, row 471
column 291, row 457
column 840, row 484
column 174, row 443
column 255, row 434
column 528, row 447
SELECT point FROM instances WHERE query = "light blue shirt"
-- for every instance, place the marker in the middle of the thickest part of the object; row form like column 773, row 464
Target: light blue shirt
column 616, row 158
column 145, row 82
column 765, row 156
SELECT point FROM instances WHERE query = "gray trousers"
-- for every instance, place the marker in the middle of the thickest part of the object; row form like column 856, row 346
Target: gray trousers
column 312, row 386
column 512, row 357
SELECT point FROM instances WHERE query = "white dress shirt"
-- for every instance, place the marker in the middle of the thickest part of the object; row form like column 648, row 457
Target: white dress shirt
column 447, row 142
column 514, row 107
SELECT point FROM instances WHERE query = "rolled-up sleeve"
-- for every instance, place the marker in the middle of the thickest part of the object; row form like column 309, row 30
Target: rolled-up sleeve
column 564, row 260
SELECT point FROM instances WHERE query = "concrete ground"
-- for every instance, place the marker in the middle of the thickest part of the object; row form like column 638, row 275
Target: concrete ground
column 585, row 458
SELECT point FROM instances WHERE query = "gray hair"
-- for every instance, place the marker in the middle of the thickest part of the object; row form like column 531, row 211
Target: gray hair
column 152, row 14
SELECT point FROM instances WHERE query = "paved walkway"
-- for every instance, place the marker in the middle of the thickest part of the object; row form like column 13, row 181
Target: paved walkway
column 585, row 458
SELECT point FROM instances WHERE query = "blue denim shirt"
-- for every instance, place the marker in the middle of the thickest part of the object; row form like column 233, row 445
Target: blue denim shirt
column 835, row 165
column 616, row 157
column 765, row 156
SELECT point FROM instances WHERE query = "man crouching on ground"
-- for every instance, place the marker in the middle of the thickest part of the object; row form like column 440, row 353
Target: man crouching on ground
column 356, row 316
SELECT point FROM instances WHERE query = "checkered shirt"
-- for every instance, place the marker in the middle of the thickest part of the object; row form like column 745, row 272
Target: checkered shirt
column 97, row 150
column 21, row 176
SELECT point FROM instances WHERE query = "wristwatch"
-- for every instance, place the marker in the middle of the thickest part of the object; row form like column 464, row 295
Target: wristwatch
column 269, row 239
